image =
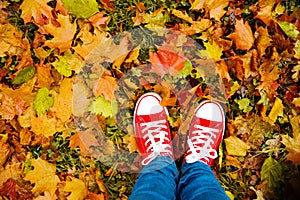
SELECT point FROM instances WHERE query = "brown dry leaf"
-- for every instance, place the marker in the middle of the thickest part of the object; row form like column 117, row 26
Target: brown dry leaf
column 10, row 171
column 90, row 40
column 63, row 101
column 43, row 176
column 242, row 36
column 236, row 146
column 84, row 140
column 36, row 10
column 4, row 152
column 105, row 85
column 62, row 34
column 292, row 144
column 263, row 40
column 44, row 77
column 129, row 139
column 214, row 7
column 77, row 189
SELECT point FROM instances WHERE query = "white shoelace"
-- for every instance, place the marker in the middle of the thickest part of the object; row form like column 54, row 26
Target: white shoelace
column 154, row 131
column 202, row 135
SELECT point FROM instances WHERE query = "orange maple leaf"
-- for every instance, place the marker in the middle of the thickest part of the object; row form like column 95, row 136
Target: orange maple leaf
column 105, row 85
column 84, row 140
column 62, row 34
column 43, row 176
column 38, row 10
column 243, row 36
column 166, row 61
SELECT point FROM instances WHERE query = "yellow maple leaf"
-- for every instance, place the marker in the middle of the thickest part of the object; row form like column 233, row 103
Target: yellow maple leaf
column 242, row 36
column 276, row 111
column 214, row 7
column 62, row 34
column 44, row 125
column 77, row 189
column 63, row 101
column 213, row 50
column 292, row 144
column 90, row 40
column 38, row 10
column 296, row 102
column 130, row 140
column 236, row 146
column 43, row 176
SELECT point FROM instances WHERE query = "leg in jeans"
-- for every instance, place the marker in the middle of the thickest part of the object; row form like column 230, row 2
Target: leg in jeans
column 205, row 134
column 199, row 182
column 156, row 181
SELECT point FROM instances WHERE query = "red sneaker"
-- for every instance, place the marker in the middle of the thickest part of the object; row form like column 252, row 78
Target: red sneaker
column 206, row 132
column 151, row 128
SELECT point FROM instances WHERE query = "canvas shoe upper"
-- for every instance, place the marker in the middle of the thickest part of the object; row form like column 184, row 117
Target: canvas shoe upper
column 151, row 128
column 206, row 132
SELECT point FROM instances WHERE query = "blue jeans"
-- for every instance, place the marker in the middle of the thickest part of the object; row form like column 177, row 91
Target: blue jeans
column 160, row 180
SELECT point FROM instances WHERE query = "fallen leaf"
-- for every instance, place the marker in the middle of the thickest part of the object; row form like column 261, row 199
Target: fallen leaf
column 43, row 176
column 103, row 107
column 44, row 125
column 43, row 101
column 11, row 171
column 297, row 49
column 81, row 8
column 77, row 189
column 263, row 10
column 292, row 144
column 63, row 100
column 84, row 140
column 296, row 102
column 242, row 36
column 46, row 196
column 156, row 18
column 24, row 75
column 62, row 34
column 233, row 161
column 44, row 76
column 289, row 29
column 296, row 71
column 276, row 111
column 105, row 85
column 4, row 152
column 213, row 50
column 130, row 140
column 36, row 10
column 60, row 8
column 214, row 7
column 263, row 40
column 236, row 146
column 196, row 27
column 272, row 171
column 244, row 104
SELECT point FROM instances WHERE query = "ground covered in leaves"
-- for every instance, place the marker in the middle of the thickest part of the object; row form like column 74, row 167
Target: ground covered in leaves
column 66, row 114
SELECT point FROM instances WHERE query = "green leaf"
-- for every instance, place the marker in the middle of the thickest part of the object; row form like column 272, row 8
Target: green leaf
column 104, row 107
column 244, row 104
column 272, row 171
column 156, row 19
column 62, row 66
column 289, row 29
column 81, row 8
column 43, row 101
column 24, row 75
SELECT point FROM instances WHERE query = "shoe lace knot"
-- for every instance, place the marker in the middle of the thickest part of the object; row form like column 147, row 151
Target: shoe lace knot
column 156, row 138
column 200, row 144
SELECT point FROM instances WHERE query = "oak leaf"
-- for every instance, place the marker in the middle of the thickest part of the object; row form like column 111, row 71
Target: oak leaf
column 242, row 36
column 77, row 188
column 38, row 10
column 62, row 34
column 292, row 144
column 43, row 176
column 236, row 146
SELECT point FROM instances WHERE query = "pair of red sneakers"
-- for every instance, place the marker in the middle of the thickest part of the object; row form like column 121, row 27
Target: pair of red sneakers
column 153, row 135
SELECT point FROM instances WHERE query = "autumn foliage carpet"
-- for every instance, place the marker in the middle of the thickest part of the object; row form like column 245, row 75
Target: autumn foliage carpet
column 50, row 149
